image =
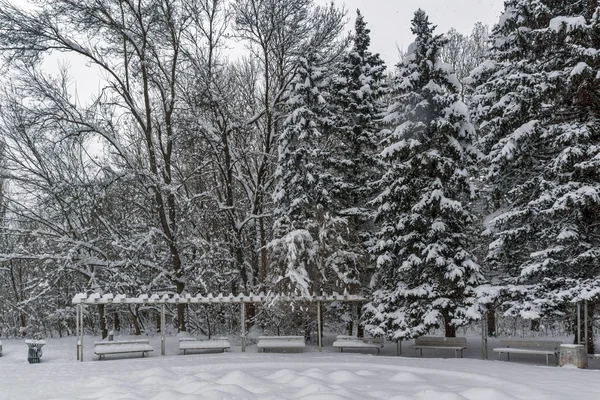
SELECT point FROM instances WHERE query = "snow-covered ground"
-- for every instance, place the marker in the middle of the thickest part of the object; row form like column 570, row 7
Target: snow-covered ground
column 310, row 375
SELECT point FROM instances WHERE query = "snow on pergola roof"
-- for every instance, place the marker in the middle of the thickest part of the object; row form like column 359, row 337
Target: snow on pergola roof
column 109, row 298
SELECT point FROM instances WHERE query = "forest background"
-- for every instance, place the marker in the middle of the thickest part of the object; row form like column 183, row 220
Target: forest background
column 463, row 180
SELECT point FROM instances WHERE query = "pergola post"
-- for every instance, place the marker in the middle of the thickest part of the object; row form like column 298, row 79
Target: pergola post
column 77, row 328
column 484, row 336
column 162, row 330
column 319, row 327
column 578, row 323
column 81, row 331
column 243, row 319
column 585, row 325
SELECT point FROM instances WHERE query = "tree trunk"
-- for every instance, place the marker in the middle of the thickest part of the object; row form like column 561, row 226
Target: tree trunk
column 117, row 322
column 102, row 315
column 590, row 331
column 250, row 315
column 491, row 321
column 535, row 325
column 360, row 328
column 136, row 321
column 449, row 328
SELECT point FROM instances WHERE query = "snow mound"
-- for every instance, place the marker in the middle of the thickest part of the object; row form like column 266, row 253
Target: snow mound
column 437, row 395
column 282, row 373
column 314, row 388
column 406, row 377
column 315, row 373
column 326, row 396
column 104, row 382
column 226, row 392
column 486, row 393
column 286, row 377
column 214, row 394
column 237, row 378
column 304, row 381
column 195, row 386
column 345, row 376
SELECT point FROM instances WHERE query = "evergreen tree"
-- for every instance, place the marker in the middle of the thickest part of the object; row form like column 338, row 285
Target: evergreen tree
column 537, row 102
column 357, row 100
column 425, row 270
column 308, row 247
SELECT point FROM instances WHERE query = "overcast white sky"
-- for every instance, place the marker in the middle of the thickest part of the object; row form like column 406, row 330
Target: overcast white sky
column 389, row 20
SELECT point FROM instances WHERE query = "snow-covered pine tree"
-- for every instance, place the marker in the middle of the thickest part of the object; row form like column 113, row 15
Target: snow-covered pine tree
column 537, row 103
column 357, row 101
column 425, row 269
column 308, row 248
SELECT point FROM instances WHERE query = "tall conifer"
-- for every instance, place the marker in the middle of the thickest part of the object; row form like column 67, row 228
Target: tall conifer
column 425, row 269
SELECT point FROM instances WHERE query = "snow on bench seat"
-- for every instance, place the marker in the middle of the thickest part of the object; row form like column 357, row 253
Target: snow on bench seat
column 353, row 342
column 220, row 343
column 122, row 346
column 458, row 344
column 280, row 342
column 529, row 346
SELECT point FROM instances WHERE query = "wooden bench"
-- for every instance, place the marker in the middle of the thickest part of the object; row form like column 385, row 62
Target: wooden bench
column 220, row 343
column 280, row 342
column 458, row 344
column 529, row 346
column 122, row 346
column 353, row 342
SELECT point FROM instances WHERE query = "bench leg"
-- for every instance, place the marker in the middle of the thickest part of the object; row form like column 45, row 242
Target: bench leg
column 507, row 356
column 547, row 360
column 421, row 350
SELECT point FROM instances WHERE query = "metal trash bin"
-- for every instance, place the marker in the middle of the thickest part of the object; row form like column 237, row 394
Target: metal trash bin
column 34, row 352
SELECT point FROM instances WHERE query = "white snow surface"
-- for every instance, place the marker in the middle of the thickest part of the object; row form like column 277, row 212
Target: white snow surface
column 309, row 375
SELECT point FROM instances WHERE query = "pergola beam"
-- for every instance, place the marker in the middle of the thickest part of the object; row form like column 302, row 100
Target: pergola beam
column 96, row 298
column 82, row 299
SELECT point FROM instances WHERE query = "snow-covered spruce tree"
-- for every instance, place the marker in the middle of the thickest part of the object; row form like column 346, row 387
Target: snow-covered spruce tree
column 309, row 247
column 357, row 101
column 537, row 102
column 425, row 270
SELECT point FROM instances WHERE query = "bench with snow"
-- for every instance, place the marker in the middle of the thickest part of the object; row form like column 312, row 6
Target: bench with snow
column 280, row 342
column 529, row 346
column 122, row 346
column 353, row 342
column 458, row 344
column 220, row 343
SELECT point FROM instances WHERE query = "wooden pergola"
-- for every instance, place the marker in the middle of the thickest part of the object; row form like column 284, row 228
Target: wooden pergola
column 81, row 300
